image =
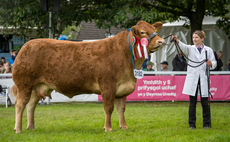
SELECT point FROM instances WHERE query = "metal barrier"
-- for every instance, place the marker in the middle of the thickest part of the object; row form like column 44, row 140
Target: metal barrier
column 155, row 72
column 6, row 91
column 182, row 72
column 6, row 75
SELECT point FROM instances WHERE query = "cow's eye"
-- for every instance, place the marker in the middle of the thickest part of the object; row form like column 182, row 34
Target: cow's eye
column 142, row 33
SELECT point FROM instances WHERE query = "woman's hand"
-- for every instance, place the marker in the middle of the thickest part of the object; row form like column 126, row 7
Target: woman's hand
column 175, row 38
column 209, row 62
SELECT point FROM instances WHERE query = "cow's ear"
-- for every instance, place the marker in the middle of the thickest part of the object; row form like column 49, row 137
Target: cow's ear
column 134, row 31
column 158, row 26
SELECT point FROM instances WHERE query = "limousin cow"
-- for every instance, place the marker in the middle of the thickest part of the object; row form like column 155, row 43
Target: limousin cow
column 71, row 68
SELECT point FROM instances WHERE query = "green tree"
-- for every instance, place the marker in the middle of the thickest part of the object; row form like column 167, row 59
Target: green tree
column 125, row 13
column 71, row 32
column 224, row 22
column 24, row 15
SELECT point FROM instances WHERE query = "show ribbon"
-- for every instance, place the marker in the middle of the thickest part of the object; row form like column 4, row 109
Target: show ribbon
column 144, row 43
column 130, row 47
column 138, row 47
column 133, row 48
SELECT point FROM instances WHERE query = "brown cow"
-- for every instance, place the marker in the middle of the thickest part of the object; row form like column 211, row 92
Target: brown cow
column 71, row 68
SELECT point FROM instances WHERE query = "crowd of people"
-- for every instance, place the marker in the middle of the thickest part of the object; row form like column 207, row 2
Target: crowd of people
column 6, row 67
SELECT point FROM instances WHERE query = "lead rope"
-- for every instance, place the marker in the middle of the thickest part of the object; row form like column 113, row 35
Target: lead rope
column 178, row 47
column 200, row 63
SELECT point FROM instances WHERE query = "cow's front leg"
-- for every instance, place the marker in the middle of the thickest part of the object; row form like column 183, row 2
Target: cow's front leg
column 120, row 105
column 108, row 103
column 30, row 110
column 108, row 93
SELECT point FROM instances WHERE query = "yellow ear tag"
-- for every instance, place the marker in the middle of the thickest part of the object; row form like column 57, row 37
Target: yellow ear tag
column 155, row 30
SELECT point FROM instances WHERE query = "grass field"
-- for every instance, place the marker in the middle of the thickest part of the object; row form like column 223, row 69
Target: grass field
column 150, row 121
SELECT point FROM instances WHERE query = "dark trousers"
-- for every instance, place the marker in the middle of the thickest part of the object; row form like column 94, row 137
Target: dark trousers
column 205, row 107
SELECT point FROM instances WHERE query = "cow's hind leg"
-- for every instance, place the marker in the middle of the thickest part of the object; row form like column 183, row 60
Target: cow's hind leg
column 120, row 106
column 108, row 95
column 22, row 98
column 40, row 91
column 30, row 110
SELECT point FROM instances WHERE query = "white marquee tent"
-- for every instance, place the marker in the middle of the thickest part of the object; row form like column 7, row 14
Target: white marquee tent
column 215, row 38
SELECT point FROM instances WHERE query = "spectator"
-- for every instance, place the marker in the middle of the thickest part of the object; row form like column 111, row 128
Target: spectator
column 219, row 61
column 1, row 66
column 149, row 66
column 7, row 70
column 6, row 64
column 62, row 37
column 144, row 65
column 179, row 63
column 196, row 79
column 15, row 53
column 164, row 68
column 3, row 59
column 12, row 57
column 228, row 65
column 218, row 55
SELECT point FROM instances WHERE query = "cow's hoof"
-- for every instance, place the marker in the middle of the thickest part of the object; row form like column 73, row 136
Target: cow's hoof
column 30, row 127
column 17, row 132
column 103, row 128
column 124, row 127
column 14, row 129
column 108, row 130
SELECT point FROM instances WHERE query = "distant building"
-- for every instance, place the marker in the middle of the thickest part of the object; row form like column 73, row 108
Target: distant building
column 89, row 31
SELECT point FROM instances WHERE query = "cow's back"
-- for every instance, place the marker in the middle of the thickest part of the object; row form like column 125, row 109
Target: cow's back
column 71, row 67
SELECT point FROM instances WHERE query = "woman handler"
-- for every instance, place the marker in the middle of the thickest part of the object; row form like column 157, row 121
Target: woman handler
column 196, row 79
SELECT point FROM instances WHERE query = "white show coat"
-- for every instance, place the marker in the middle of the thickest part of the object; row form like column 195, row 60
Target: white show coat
column 193, row 74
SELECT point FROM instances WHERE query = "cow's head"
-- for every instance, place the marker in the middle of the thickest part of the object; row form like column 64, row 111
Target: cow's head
column 143, row 30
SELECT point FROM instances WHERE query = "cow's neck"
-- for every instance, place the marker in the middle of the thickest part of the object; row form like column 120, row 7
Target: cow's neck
column 139, row 61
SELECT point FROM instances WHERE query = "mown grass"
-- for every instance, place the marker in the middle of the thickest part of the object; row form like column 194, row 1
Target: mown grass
column 149, row 121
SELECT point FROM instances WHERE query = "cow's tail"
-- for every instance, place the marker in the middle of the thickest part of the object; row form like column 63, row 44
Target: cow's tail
column 13, row 91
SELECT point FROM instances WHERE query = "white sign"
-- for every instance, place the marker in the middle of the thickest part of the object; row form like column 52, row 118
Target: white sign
column 139, row 74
